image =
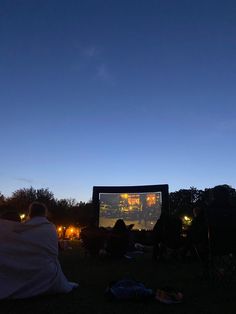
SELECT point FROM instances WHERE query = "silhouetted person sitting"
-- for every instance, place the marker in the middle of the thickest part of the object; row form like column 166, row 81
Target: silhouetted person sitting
column 118, row 240
column 197, row 232
column 93, row 238
column 158, row 236
column 197, row 237
column 166, row 235
column 221, row 221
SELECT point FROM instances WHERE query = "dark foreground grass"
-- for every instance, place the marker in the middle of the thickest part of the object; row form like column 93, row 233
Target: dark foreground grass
column 94, row 275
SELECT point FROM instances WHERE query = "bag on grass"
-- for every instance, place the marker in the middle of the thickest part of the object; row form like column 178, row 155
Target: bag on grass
column 128, row 289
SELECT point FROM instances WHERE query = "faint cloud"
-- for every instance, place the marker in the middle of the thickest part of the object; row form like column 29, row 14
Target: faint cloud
column 103, row 73
column 91, row 60
column 90, row 52
column 26, row 180
column 87, row 55
column 86, row 50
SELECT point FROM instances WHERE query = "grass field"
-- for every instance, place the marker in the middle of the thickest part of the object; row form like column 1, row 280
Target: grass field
column 94, row 275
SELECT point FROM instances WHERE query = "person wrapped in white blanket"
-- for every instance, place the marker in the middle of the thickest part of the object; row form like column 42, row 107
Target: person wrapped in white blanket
column 29, row 263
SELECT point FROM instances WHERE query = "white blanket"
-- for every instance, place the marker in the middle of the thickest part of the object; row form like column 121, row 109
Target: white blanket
column 29, row 263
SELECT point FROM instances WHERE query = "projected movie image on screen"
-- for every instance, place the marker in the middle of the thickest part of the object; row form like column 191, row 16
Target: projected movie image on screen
column 140, row 209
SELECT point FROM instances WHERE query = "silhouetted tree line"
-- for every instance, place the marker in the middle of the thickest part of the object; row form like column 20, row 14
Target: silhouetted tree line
column 183, row 201
column 61, row 211
column 68, row 211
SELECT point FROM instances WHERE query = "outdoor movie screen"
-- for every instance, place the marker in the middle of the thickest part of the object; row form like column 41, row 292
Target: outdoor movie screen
column 140, row 209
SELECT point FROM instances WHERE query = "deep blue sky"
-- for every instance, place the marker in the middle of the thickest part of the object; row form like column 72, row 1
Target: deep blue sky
column 113, row 92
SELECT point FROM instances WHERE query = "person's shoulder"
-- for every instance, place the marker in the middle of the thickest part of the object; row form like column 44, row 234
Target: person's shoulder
column 35, row 220
column 40, row 222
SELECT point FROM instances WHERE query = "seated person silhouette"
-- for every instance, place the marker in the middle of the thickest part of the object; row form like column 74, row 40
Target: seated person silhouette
column 118, row 240
column 29, row 263
column 166, row 235
column 93, row 238
column 221, row 221
column 197, row 236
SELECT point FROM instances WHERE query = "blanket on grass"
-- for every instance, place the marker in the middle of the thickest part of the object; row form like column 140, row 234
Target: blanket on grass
column 29, row 263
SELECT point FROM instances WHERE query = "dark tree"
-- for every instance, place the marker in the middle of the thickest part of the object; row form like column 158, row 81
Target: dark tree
column 183, row 201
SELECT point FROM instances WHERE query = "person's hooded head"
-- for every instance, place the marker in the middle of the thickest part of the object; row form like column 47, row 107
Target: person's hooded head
column 37, row 209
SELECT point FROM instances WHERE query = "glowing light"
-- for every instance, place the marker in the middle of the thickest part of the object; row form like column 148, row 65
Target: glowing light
column 72, row 232
column 22, row 216
column 187, row 221
column 60, row 228
column 187, row 218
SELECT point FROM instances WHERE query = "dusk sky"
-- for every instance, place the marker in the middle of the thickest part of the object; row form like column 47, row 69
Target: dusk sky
column 113, row 92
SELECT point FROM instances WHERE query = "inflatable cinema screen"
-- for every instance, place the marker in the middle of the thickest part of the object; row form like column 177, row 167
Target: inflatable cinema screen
column 140, row 206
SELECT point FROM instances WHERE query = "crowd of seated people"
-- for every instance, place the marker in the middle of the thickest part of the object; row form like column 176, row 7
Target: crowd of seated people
column 168, row 235
column 111, row 243
column 210, row 234
column 37, row 238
